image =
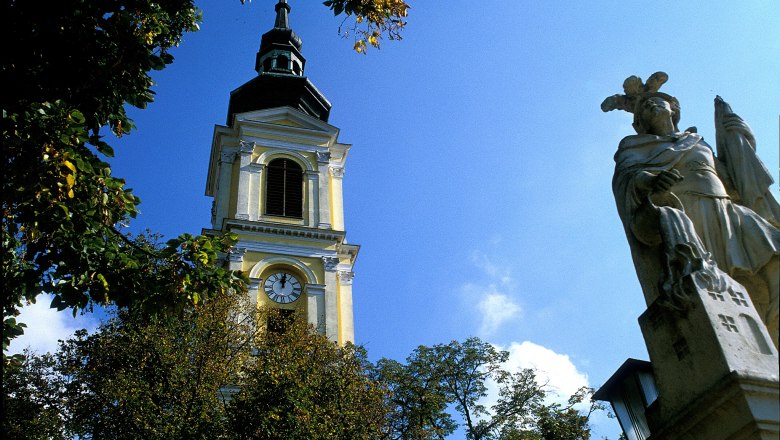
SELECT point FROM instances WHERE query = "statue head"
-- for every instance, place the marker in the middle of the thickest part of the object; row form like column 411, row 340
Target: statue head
column 638, row 96
column 649, row 105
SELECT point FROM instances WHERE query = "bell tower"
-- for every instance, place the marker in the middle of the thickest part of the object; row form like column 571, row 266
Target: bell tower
column 275, row 174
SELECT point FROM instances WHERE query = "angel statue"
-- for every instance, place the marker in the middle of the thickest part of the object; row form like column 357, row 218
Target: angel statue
column 682, row 207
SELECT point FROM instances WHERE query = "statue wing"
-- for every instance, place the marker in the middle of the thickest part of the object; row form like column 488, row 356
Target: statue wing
column 749, row 178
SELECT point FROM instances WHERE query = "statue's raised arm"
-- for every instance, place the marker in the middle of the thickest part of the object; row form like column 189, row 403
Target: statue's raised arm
column 749, row 178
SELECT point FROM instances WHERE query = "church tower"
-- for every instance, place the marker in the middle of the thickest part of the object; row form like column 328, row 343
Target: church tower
column 275, row 174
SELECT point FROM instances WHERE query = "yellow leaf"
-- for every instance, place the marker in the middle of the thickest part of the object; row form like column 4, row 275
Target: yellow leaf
column 70, row 165
column 102, row 280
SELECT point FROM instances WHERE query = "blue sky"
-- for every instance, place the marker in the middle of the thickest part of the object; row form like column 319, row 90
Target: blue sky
column 479, row 182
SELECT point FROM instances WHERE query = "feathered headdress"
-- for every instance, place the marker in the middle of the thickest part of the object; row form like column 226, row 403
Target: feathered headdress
column 636, row 92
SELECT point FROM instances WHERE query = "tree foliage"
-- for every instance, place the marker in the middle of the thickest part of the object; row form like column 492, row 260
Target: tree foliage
column 211, row 372
column 218, row 371
column 417, row 400
column 158, row 377
column 370, row 20
column 74, row 65
column 457, row 375
column 146, row 377
column 301, row 385
column 31, row 400
column 565, row 422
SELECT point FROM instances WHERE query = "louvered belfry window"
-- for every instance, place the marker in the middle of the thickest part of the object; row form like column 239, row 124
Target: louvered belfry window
column 284, row 189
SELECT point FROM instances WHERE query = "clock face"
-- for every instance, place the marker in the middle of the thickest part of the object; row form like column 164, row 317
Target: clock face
column 282, row 287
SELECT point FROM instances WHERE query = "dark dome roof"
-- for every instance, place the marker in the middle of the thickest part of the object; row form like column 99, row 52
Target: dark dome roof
column 280, row 81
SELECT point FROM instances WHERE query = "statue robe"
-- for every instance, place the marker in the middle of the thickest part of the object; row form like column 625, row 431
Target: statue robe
column 740, row 241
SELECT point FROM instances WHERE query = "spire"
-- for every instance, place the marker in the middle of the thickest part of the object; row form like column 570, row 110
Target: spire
column 282, row 9
column 280, row 48
column 280, row 80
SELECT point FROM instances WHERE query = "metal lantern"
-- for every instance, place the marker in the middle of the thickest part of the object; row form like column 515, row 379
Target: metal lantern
column 631, row 390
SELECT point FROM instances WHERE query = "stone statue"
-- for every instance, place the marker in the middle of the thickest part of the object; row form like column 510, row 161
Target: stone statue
column 686, row 211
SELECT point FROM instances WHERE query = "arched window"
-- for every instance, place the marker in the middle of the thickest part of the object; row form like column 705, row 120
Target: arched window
column 267, row 65
column 282, row 62
column 284, row 189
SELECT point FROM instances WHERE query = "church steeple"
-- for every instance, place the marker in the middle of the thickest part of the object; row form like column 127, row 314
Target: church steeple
column 276, row 175
column 280, row 81
column 280, row 48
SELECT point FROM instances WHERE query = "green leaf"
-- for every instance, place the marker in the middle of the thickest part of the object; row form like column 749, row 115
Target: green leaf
column 58, row 303
column 77, row 117
column 156, row 62
column 105, row 149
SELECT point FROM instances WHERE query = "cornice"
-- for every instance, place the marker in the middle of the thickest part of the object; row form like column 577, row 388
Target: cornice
column 261, row 131
column 285, row 249
column 283, row 230
column 286, row 112
column 262, row 122
column 279, row 147
column 237, row 140
column 349, row 249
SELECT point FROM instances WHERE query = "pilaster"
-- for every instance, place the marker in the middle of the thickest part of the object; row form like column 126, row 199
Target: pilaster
column 313, row 193
column 337, row 201
column 222, row 200
column 345, row 306
column 254, row 290
column 255, row 174
column 331, row 299
column 244, row 180
column 236, row 259
column 323, row 160
column 315, row 297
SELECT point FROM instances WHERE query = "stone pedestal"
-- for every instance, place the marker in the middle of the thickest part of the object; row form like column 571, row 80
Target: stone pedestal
column 715, row 366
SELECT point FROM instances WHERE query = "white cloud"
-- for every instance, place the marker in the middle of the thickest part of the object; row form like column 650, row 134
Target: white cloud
column 45, row 326
column 494, row 297
column 496, row 305
column 495, row 308
column 554, row 371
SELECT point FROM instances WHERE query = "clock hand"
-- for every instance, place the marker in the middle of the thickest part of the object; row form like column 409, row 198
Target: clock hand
column 284, row 280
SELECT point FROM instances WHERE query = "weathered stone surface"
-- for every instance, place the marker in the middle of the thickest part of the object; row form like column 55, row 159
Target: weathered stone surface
column 674, row 196
column 714, row 364
column 704, row 233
